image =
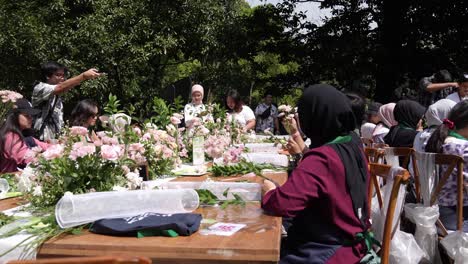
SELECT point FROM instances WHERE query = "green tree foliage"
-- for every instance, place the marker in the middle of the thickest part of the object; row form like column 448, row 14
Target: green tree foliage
column 144, row 46
column 382, row 47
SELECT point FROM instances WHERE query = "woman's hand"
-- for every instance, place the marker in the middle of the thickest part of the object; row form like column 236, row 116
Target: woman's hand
column 268, row 186
column 289, row 124
column 293, row 147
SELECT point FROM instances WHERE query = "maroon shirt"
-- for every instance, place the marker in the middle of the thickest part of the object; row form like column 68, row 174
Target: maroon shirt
column 316, row 197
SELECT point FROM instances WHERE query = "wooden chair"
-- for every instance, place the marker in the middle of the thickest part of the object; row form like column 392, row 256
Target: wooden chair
column 452, row 161
column 87, row 260
column 382, row 170
column 380, row 145
column 368, row 142
column 374, row 155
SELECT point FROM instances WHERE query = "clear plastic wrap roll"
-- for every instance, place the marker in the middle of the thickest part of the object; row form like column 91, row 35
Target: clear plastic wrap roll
column 4, row 187
column 74, row 210
column 247, row 191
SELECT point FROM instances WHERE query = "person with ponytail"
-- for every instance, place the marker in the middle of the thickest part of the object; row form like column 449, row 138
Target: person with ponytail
column 409, row 116
column 326, row 194
column 452, row 138
column 435, row 114
column 16, row 137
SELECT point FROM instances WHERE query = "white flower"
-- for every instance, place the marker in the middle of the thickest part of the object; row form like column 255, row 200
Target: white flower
column 133, row 180
column 24, row 183
column 118, row 122
column 151, row 126
column 171, row 128
column 67, row 194
column 37, row 191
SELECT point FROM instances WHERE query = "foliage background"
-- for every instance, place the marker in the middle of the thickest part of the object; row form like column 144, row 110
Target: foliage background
column 379, row 48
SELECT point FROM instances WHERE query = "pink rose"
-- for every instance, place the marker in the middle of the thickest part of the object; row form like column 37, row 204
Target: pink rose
column 175, row 120
column 137, row 147
column 78, row 131
column 101, row 134
column 81, row 149
column 167, row 152
column 111, row 152
column 54, row 151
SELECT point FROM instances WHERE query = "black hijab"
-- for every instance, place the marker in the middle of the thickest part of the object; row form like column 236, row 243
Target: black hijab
column 407, row 113
column 325, row 113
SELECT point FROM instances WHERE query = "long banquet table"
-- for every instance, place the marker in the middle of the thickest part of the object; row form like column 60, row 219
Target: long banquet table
column 258, row 242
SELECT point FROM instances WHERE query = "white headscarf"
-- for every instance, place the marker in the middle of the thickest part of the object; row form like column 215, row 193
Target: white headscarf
column 438, row 111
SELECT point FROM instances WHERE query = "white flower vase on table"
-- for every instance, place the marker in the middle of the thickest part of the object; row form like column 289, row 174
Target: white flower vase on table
column 118, row 122
column 198, row 150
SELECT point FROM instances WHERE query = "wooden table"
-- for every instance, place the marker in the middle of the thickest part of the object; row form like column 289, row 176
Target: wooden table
column 258, row 242
column 6, row 204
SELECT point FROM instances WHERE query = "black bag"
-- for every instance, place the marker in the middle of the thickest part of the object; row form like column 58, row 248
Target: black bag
column 266, row 113
column 46, row 119
column 149, row 224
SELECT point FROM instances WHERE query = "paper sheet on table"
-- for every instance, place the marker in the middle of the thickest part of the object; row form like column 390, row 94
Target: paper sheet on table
column 222, row 229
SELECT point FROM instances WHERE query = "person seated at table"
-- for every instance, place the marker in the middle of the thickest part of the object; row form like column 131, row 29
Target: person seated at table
column 85, row 114
column 194, row 108
column 434, row 116
column 387, row 120
column 16, row 137
column 326, row 195
column 452, row 138
column 409, row 116
column 238, row 112
column 372, row 119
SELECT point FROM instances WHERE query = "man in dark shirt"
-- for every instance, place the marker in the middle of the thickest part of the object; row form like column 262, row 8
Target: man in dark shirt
column 436, row 87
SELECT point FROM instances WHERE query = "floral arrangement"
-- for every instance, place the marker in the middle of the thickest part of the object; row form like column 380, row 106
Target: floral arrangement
column 287, row 113
column 8, row 100
column 79, row 166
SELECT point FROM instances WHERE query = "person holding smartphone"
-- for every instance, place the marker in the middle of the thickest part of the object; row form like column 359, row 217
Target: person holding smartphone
column 46, row 97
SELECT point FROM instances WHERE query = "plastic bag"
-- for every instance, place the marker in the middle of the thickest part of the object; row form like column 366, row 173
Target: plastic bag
column 428, row 176
column 378, row 219
column 404, row 249
column 456, row 245
column 426, row 231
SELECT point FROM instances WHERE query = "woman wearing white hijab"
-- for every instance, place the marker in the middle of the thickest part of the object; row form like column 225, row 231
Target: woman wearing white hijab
column 435, row 114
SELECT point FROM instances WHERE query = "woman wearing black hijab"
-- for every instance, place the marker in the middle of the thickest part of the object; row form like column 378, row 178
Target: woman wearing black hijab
column 408, row 114
column 326, row 195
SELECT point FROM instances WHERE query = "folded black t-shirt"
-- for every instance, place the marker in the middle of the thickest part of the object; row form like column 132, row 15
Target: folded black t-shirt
column 148, row 223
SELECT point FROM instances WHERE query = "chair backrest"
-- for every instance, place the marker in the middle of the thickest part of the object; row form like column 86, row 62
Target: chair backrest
column 452, row 161
column 374, row 155
column 408, row 154
column 87, row 260
column 380, row 145
column 385, row 171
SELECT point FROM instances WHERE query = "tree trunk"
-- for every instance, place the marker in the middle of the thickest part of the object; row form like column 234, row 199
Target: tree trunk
column 391, row 61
